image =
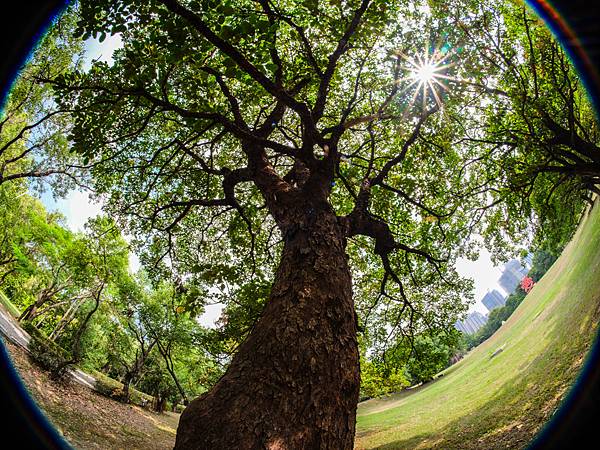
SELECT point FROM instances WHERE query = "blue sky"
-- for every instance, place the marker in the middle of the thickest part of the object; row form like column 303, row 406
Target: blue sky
column 102, row 51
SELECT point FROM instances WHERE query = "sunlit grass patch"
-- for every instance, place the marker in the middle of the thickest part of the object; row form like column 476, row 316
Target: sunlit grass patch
column 504, row 400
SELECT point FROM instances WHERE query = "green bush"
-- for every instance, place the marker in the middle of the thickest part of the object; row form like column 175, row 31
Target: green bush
column 377, row 380
column 107, row 386
column 179, row 408
column 110, row 387
column 47, row 354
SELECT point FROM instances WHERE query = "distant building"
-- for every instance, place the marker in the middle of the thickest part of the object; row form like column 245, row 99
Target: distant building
column 512, row 274
column 515, row 267
column 509, row 281
column 472, row 323
column 493, row 299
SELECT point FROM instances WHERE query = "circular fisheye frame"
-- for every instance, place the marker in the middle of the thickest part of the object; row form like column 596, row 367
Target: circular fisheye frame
column 574, row 24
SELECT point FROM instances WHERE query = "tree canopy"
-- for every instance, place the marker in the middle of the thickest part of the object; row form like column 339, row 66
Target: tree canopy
column 33, row 129
column 206, row 135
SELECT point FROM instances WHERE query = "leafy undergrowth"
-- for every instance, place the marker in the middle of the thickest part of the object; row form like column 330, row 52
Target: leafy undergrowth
column 90, row 421
column 499, row 400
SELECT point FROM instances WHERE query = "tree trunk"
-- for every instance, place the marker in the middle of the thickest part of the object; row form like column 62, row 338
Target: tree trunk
column 66, row 318
column 126, row 395
column 166, row 354
column 43, row 297
column 159, row 403
column 134, row 373
column 29, row 312
column 294, row 382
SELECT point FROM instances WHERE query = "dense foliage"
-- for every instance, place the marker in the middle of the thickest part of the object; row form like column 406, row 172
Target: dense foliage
column 34, row 146
column 82, row 306
column 171, row 107
column 408, row 363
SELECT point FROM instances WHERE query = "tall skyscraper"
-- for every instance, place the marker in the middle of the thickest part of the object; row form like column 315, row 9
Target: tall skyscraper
column 512, row 275
column 515, row 267
column 472, row 323
column 493, row 299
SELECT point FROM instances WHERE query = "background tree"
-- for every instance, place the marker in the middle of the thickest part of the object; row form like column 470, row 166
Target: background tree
column 56, row 264
column 109, row 264
column 541, row 262
column 135, row 310
column 33, row 129
column 157, row 382
column 540, row 132
column 20, row 213
column 68, row 287
column 33, row 144
column 377, row 379
column 149, row 331
column 432, row 354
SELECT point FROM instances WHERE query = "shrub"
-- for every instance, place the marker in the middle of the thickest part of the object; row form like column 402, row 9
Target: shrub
column 112, row 388
column 179, row 408
column 108, row 387
column 377, row 380
column 47, row 354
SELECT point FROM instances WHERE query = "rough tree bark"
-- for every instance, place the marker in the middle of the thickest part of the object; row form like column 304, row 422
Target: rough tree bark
column 294, row 383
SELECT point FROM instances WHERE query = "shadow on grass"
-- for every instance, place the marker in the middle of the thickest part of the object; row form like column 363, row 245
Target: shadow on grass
column 515, row 415
column 498, row 424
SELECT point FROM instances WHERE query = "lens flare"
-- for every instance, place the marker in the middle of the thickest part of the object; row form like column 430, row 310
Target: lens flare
column 426, row 72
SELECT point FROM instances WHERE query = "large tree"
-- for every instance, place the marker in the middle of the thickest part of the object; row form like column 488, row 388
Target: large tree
column 295, row 141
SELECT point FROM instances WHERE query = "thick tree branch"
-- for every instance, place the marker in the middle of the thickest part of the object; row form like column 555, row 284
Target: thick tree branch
column 341, row 48
column 271, row 87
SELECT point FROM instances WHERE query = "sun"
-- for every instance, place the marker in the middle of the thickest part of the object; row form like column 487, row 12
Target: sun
column 426, row 73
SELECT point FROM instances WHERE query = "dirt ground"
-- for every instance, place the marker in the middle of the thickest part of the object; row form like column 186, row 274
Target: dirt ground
column 89, row 420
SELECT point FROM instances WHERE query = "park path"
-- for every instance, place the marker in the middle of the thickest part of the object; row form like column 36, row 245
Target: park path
column 10, row 329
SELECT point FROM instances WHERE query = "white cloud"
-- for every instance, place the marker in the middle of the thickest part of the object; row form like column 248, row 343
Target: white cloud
column 77, row 207
column 485, row 276
column 102, row 51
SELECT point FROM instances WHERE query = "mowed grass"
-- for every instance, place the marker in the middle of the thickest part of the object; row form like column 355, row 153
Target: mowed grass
column 11, row 308
column 486, row 402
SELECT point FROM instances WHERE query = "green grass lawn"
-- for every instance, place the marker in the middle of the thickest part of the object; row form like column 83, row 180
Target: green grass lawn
column 12, row 309
column 486, row 402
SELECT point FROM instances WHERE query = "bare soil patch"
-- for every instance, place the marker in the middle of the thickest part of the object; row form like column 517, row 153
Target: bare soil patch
column 89, row 420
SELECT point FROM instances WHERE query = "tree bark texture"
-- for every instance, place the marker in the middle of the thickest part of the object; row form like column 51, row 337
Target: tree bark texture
column 294, row 383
